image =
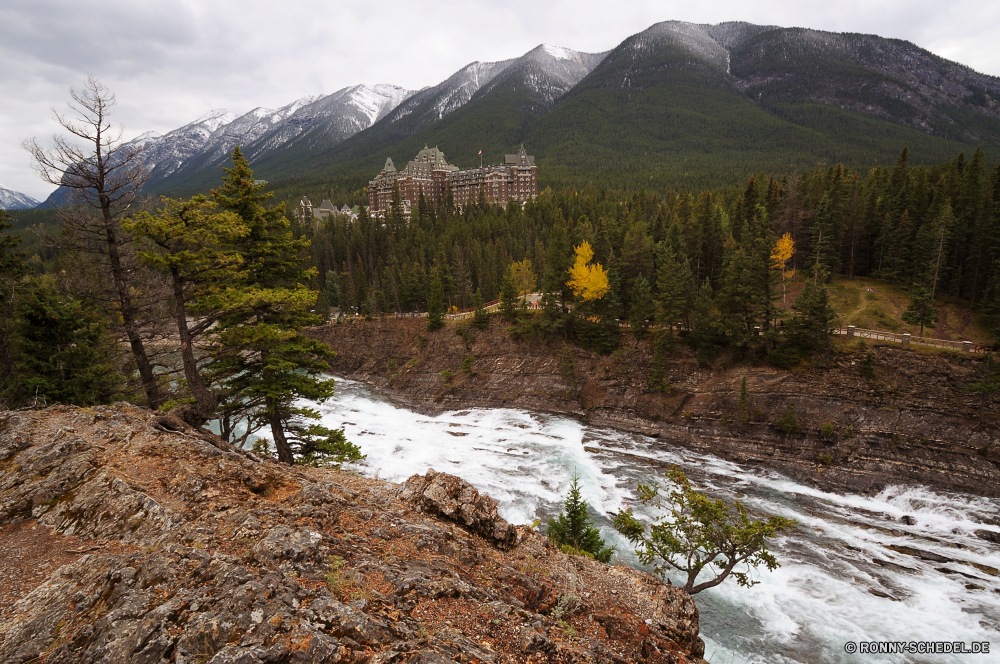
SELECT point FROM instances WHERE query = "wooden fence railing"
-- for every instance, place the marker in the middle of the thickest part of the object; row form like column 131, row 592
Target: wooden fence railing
column 905, row 339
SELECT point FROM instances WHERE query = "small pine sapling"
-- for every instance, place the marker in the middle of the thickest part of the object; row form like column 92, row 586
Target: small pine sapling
column 574, row 532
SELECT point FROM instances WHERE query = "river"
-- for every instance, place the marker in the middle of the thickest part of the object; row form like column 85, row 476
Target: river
column 837, row 583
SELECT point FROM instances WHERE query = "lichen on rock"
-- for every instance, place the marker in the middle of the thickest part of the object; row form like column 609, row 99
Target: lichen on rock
column 122, row 540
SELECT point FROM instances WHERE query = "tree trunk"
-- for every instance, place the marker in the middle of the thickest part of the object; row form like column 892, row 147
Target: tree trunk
column 206, row 400
column 280, row 442
column 127, row 309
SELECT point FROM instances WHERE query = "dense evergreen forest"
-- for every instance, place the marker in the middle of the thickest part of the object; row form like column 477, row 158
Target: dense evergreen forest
column 211, row 293
column 927, row 228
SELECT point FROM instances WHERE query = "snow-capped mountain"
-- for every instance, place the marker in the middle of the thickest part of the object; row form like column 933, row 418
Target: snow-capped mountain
column 15, row 200
column 675, row 90
column 167, row 153
column 432, row 104
column 328, row 120
column 208, row 141
column 546, row 72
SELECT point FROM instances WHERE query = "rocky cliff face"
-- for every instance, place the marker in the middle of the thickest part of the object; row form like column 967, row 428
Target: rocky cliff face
column 122, row 540
column 915, row 421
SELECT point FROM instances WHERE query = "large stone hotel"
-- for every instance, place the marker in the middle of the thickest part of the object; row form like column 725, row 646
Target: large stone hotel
column 431, row 174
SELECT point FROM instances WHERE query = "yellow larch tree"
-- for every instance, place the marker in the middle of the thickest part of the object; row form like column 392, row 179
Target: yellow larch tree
column 782, row 252
column 588, row 282
column 523, row 276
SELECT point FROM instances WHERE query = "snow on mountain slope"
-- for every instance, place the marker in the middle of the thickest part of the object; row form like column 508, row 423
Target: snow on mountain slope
column 247, row 128
column 209, row 141
column 558, row 52
column 378, row 100
column 165, row 154
column 695, row 40
column 15, row 200
column 547, row 72
column 333, row 118
column 432, row 104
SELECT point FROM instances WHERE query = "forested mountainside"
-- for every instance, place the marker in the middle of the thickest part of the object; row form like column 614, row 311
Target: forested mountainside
column 677, row 105
column 691, row 106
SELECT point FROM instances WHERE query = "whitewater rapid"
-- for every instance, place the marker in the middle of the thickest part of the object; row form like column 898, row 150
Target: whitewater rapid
column 837, row 582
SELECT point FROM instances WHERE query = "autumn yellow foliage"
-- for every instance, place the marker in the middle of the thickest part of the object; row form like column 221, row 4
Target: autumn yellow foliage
column 523, row 277
column 588, row 282
column 782, row 252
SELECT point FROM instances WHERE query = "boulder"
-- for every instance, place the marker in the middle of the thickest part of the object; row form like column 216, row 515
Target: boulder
column 456, row 500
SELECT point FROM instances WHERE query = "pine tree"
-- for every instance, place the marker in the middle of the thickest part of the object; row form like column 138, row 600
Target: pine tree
column 743, row 405
column 103, row 175
column 815, row 314
column 508, row 299
column 674, row 286
column 261, row 361
column 659, row 378
column 435, row 304
column 574, row 530
column 63, row 351
column 194, row 243
column 333, row 288
column 921, row 310
column 12, row 270
column 480, row 317
column 643, row 309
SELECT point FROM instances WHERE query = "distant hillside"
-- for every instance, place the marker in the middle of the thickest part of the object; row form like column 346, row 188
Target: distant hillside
column 677, row 105
column 692, row 106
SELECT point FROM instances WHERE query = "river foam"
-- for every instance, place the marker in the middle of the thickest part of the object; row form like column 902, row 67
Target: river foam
column 838, row 580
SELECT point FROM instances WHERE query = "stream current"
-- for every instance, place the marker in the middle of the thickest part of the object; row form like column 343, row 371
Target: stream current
column 838, row 582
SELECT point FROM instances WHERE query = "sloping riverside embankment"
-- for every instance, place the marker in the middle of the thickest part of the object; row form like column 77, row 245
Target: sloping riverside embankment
column 127, row 537
column 915, row 422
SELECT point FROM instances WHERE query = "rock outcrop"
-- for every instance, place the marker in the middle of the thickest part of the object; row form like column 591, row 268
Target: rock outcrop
column 914, row 422
column 124, row 541
column 457, row 500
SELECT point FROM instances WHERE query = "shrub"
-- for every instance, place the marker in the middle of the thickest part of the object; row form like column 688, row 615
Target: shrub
column 788, row 422
column 868, row 365
column 700, row 532
column 468, row 336
column 467, row 364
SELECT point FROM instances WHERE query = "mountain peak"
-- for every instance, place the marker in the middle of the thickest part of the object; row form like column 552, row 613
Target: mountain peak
column 15, row 200
column 560, row 53
column 215, row 119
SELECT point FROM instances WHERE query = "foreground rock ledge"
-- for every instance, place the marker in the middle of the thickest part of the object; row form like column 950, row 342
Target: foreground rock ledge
column 124, row 542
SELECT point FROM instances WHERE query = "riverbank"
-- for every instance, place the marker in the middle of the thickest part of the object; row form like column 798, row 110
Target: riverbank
column 122, row 539
column 914, row 422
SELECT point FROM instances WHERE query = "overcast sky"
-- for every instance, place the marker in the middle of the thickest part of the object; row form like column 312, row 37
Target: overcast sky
column 171, row 61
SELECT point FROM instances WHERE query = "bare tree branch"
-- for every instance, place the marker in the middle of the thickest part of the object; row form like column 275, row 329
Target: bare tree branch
column 105, row 175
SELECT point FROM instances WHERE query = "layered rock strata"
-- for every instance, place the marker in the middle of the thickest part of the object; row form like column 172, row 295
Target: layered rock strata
column 916, row 421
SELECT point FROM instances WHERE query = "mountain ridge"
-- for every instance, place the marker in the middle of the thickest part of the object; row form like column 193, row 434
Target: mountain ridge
column 15, row 200
column 678, row 102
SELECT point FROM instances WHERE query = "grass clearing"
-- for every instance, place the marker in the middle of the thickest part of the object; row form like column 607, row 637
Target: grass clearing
column 875, row 305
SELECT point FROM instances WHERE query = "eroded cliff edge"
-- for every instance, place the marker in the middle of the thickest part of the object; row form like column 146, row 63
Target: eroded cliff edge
column 124, row 541
column 914, row 422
